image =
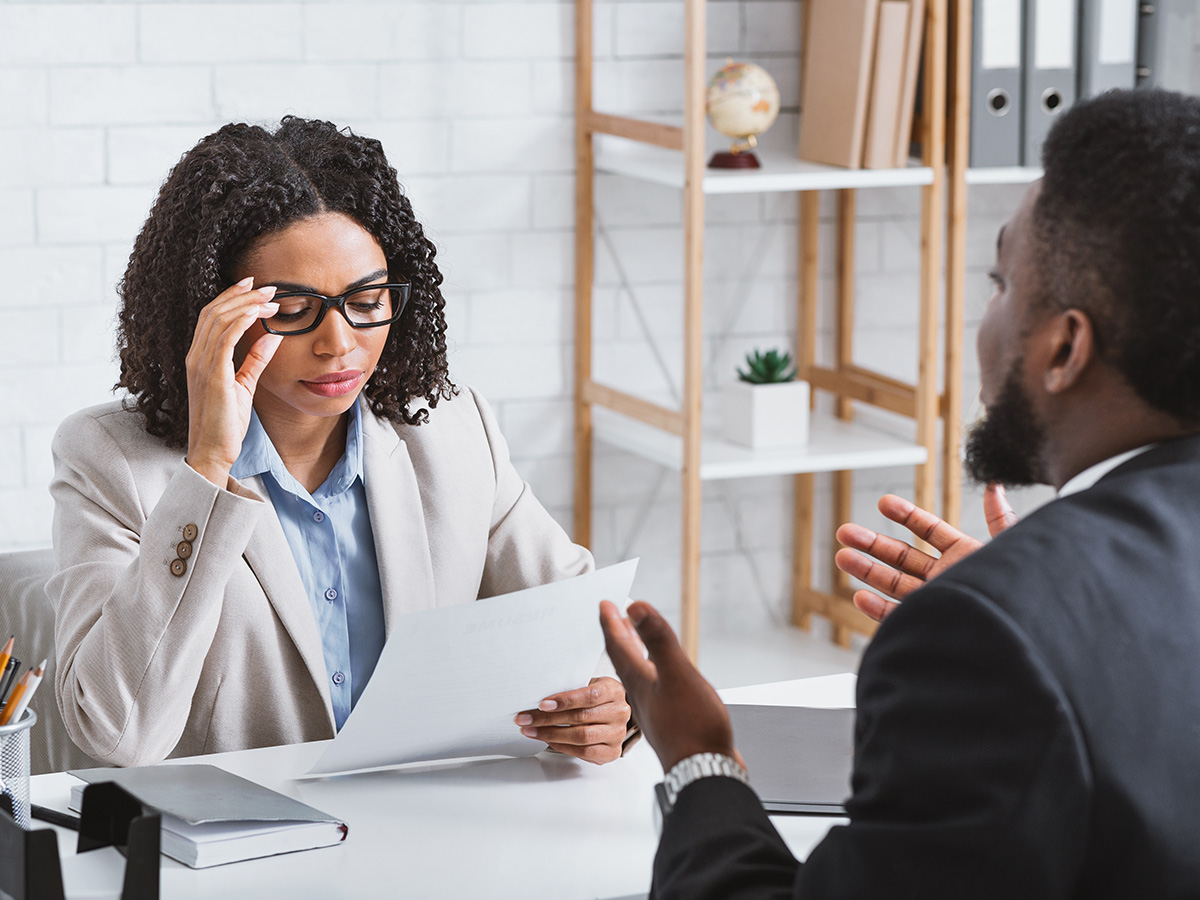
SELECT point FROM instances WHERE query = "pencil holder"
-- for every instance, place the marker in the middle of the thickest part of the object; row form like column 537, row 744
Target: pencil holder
column 14, row 765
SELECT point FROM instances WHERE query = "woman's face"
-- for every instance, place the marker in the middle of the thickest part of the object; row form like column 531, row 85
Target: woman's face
column 320, row 373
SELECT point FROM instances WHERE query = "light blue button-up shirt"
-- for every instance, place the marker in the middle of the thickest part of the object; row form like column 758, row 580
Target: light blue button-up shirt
column 330, row 535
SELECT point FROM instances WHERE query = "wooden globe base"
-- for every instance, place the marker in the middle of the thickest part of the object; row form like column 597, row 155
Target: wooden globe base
column 727, row 160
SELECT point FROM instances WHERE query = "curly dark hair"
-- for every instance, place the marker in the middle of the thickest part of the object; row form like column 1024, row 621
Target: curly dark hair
column 233, row 187
column 1117, row 226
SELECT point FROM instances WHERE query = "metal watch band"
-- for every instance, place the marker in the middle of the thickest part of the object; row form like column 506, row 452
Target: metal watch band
column 697, row 766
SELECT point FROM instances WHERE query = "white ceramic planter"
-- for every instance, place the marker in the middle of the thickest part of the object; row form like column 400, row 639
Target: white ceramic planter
column 765, row 415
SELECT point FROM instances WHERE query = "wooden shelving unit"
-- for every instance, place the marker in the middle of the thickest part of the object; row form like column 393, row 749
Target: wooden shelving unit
column 680, row 438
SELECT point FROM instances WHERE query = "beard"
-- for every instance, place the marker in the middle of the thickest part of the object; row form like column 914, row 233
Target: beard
column 1006, row 445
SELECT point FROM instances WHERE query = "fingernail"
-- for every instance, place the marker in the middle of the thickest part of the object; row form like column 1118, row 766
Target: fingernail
column 247, row 281
column 529, row 732
column 268, row 291
column 524, row 719
column 547, row 706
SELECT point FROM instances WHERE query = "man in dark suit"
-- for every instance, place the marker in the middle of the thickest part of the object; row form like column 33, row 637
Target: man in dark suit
column 1029, row 717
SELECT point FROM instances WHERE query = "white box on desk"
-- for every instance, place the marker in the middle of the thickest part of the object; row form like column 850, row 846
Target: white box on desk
column 765, row 415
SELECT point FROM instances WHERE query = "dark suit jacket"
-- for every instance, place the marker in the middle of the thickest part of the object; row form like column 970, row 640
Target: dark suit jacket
column 1028, row 723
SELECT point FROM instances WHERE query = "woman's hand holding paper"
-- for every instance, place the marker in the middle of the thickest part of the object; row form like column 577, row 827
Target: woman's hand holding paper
column 589, row 723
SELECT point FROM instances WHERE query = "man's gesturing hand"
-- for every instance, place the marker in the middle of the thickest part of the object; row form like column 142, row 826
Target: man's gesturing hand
column 893, row 568
column 678, row 711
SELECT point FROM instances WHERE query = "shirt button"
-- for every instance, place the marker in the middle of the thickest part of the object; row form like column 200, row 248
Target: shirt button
column 331, row 594
column 178, row 567
column 318, row 516
column 190, row 532
column 338, row 677
column 184, row 549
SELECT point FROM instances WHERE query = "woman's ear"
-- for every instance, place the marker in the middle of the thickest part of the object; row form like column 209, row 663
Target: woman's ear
column 1072, row 348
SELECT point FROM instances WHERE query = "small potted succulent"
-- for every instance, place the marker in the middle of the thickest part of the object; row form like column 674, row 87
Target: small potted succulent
column 767, row 406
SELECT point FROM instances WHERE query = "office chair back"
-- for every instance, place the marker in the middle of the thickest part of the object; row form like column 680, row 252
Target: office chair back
column 26, row 612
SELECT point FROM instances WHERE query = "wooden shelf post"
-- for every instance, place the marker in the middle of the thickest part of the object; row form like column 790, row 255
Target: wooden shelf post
column 585, row 171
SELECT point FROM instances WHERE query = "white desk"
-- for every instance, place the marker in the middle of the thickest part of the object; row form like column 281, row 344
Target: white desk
column 548, row 826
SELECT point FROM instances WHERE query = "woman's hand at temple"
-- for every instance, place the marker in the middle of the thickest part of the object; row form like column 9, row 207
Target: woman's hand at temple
column 219, row 391
column 893, row 568
column 589, row 723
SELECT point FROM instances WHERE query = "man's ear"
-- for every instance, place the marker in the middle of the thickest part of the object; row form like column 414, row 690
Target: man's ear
column 1071, row 346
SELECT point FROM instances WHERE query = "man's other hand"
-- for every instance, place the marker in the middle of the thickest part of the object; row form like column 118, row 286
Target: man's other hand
column 678, row 711
column 895, row 569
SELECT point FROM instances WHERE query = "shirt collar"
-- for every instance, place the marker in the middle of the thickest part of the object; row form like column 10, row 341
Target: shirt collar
column 259, row 457
column 1092, row 474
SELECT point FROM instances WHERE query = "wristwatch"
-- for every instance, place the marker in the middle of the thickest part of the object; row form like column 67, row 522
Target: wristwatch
column 693, row 768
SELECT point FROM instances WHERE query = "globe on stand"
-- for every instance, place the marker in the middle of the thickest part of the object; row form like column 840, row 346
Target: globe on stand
column 742, row 102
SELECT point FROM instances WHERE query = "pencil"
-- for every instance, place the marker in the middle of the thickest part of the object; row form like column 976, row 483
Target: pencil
column 31, row 685
column 6, row 653
column 14, row 699
column 35, row 679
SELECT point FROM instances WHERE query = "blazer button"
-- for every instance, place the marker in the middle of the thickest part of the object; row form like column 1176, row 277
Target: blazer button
column 184, row 549
column 190, row 532
column 178, row 567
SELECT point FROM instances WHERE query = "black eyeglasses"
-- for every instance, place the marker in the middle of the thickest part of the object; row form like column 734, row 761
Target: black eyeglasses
column 368, row 306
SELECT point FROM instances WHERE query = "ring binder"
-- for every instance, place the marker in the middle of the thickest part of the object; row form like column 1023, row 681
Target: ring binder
column 1107, row 46
column 1164, row 44
column 1049, row 70
column 996, row 108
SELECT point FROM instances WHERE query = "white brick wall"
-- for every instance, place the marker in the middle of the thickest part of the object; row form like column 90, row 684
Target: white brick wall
column 473, row 101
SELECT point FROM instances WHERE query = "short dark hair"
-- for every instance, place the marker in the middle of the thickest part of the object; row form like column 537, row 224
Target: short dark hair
column 1117, row 226
column 233, row 187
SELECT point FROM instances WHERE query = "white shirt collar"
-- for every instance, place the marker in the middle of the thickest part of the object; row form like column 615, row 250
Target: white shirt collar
column 1092, row 474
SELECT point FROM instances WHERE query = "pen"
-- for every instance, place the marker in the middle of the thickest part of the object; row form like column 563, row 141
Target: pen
column 54, row 817
column 6, row 678
column 14, row 699
column 33, row 679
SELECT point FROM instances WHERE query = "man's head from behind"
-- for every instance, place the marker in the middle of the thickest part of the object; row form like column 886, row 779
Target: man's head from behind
column 1091, row 343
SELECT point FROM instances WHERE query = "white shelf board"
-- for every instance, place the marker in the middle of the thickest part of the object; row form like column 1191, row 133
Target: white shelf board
column 1004, row 175
column 833, row 446
column 778, row 172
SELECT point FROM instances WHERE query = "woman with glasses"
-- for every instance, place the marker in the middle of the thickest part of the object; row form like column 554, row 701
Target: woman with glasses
column 292, row 472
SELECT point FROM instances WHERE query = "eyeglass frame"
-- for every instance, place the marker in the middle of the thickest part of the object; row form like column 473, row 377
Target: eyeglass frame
column 338, row 302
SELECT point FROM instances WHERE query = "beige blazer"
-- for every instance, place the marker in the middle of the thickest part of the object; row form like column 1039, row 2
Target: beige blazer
column 226, row 654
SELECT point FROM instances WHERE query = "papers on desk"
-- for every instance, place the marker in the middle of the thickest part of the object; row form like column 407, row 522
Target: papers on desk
column 211, row 817
column 450, row 680
column 799, row 758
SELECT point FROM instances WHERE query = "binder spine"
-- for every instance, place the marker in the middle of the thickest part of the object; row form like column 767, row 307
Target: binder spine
column 996, row 101
column 1049, row 70
column 1107, row 45
column 1164, row 43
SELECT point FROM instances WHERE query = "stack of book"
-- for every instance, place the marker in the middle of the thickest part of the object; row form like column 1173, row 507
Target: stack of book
column 861, row 65
column 211, row 817
column 1030, row 61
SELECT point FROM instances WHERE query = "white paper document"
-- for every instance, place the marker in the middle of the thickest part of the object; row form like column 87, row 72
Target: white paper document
column 450, row 680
